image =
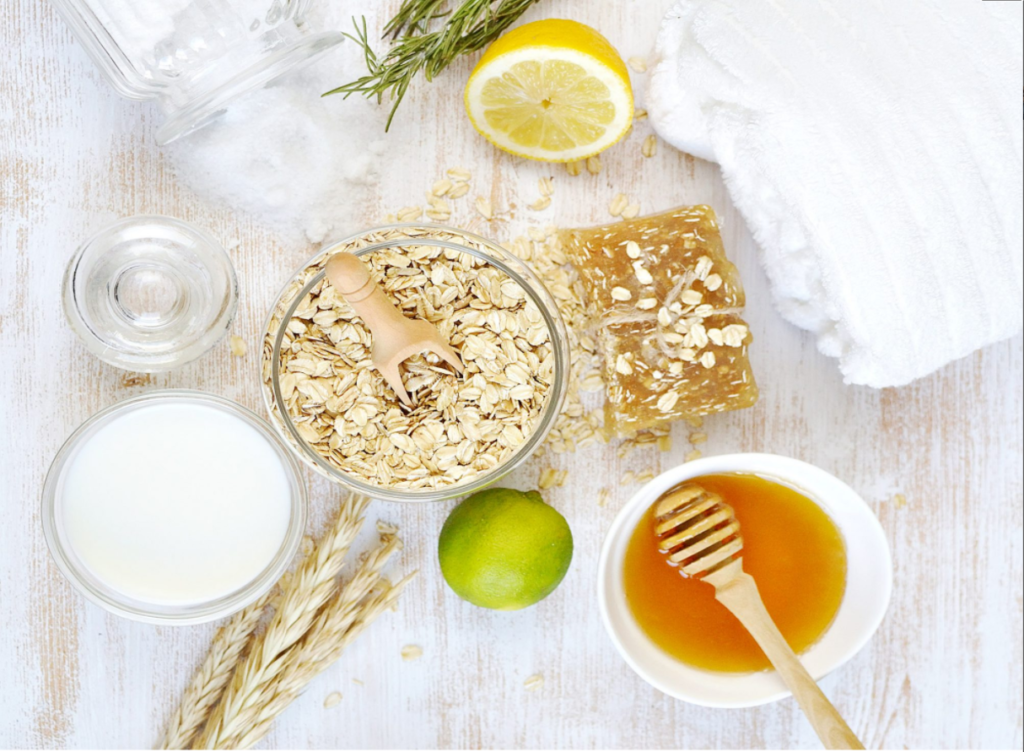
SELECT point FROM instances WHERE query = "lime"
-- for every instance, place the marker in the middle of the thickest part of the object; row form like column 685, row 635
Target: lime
column 504, row 549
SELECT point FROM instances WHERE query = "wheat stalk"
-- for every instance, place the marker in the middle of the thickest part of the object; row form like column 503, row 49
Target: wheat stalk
column 305, row 594
column 355, row 606
column 213, row 675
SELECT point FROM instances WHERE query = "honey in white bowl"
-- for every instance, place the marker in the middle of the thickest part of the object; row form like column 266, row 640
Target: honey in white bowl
column 791, row 547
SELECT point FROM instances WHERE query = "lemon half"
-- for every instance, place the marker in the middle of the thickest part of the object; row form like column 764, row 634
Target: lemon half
column 551, row 90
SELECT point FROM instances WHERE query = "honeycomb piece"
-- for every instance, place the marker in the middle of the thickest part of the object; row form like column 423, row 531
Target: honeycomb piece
column 665, row 301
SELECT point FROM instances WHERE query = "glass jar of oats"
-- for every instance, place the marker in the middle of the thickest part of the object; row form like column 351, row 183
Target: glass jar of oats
column 463, row 432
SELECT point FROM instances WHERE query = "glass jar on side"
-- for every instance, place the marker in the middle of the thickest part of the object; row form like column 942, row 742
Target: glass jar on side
column 192, row 56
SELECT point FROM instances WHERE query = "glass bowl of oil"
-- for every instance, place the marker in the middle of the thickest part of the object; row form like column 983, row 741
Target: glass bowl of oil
column 814, row 547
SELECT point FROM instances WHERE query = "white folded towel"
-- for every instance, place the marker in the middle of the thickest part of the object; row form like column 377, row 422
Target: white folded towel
column 875, row 149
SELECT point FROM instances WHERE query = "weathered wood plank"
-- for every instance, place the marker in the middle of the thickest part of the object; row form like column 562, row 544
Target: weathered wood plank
column 944, row 670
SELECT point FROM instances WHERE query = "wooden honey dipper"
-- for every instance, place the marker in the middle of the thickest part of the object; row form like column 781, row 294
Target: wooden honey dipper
column 699, row 533
column 395, row 337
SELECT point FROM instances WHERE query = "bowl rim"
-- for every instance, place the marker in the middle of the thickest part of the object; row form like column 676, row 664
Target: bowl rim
column 494, row 254
column 841, row 640
column 178, row 615
column 184, row 353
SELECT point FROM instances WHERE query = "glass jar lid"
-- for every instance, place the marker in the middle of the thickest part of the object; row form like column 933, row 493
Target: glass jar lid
column 150, row 293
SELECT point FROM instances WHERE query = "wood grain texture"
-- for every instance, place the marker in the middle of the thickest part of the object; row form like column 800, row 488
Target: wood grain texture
column 943, row 671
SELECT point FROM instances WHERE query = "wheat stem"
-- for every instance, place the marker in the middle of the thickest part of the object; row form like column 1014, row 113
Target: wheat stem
column 213, row 675
column 305, row 594
column 314, row 653
column 330, row 645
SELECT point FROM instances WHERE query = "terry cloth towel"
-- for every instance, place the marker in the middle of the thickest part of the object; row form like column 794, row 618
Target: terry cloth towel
column 875, row 150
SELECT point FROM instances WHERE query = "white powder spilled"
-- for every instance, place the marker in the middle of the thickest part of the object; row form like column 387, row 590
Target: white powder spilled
column 297, row 162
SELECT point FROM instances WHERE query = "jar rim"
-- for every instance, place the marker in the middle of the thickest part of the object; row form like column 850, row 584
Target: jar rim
column 198, row 249
column 518, row 270
column 122, row 605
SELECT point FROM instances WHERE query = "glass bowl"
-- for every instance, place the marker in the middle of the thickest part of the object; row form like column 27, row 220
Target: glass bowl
column 369, row 241
column 150, row 293
column 102, row 594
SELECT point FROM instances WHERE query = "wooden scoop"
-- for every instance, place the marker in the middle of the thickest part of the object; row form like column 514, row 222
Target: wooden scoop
column 700, row 534
column 395, row 337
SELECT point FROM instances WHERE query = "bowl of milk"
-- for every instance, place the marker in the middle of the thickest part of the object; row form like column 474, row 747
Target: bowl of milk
column 175, row 507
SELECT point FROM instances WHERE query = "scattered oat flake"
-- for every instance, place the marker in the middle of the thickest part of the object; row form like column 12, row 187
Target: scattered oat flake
column 694, row 455
column 618, row 205
column 458, row 190
column 638, row 64
column 632, row 211
column 900, row 500
column 541, row 204
column 547, row 479
column 411, row 652
column 665, row 443
column 332, row 699
column 238, row 346
column 358, row 681
column 592, row 382
column 627, row 478
column 602, row 497
column 410, row 213
column 484, row 208
column 573, row 168
column 547, row 187
column 640, row 114
column 645, row 476
column 698, row 438
column 533, row 683
column 441, row 187
column 650, row 146
column 458, row 173
column 594, row 165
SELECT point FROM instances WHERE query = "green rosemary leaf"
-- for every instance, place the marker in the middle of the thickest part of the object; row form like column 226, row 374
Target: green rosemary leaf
column 427, row 37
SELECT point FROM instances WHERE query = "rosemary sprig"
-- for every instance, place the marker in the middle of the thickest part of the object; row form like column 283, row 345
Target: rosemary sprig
column 418, row 47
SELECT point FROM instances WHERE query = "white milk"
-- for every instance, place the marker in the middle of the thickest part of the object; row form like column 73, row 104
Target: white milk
column 176, row 504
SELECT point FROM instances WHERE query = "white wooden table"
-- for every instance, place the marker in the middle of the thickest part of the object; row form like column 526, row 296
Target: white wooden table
column 944, row 670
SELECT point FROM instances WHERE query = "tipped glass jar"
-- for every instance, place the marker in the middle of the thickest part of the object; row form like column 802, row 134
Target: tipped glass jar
column 192, row 56
column 463, row 432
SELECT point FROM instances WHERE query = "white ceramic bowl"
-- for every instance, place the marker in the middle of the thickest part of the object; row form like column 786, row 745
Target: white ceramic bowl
column 868, row 585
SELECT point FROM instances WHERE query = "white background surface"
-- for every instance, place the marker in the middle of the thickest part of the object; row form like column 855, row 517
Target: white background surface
column 943, row 671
